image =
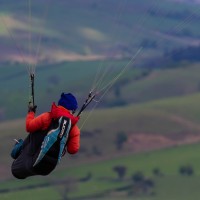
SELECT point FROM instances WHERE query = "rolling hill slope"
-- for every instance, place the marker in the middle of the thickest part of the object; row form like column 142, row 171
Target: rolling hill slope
column 58, row 31
column 152, row 125
column 153, row 110
column 136, row 84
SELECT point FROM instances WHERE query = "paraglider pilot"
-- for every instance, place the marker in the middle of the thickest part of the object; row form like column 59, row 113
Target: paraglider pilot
column 51, row 134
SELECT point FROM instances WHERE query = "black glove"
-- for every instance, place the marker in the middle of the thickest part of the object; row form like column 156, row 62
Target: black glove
column 32, row 108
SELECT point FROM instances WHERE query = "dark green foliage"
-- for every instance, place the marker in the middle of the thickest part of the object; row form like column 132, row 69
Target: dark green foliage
column 147, row 43
column 138, row 177
column 120, row 170
column 115, row 103
column 121, row 138
column 54, row 79
column 157, row 172
column 189, row 53
column 117, row 91
column 96, row 151
column 86, row 178
column 177, row 15
column 186, row 170
column 141, row 184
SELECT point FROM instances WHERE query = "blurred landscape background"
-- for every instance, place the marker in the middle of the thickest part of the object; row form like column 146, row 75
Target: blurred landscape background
column 140, row 138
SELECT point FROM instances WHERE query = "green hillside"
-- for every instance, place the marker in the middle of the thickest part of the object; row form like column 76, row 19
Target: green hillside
column 148, row 125
column 160, row 84
column 134, row 86
column 104, row 183
column 96, row 28
column 152, row 125
column 50, row 81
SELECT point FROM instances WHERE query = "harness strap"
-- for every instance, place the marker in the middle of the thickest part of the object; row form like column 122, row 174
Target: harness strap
column 55, row 138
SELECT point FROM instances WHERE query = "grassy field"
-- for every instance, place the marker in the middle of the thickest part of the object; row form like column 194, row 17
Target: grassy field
column 104, row 180
column 164, row 83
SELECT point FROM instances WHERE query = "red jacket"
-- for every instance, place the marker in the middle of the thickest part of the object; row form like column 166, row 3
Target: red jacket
column 43, row 121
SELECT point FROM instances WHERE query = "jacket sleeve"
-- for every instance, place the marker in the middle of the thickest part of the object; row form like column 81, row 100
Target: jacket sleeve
column 33, row 124
column 73, row 143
